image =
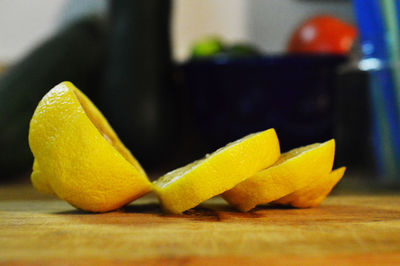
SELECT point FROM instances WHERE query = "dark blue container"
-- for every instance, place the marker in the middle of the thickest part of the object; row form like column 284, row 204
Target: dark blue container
column 235, row 97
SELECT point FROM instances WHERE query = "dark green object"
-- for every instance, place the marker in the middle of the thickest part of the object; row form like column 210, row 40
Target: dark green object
column 242, row 50
column 75, row 54
column 138, row 96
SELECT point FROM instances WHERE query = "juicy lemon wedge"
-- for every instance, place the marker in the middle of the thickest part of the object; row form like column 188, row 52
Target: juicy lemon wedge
column 188, row 186
column 313, row 194
column 294, row 170
column 78, row 156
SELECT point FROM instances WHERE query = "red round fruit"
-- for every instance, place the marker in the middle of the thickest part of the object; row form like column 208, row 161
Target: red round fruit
column 323, row 34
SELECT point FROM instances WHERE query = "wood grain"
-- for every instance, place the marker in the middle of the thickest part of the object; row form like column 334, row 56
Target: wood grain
column 346, row 229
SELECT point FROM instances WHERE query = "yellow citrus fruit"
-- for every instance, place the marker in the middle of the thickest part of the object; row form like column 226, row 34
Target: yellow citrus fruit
column 313, row 194
column 78, row 156
column 294, row 170
column 38, row 181
column 188, row 186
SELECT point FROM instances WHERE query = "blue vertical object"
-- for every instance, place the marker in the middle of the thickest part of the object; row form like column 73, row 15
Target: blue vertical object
column 371, row 28
column 382, row 130
column 378, row 23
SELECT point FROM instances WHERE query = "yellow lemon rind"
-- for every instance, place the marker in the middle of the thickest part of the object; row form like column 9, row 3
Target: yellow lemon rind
column 81, row 162
column 313, row 194
column 284, row 177
column 188, row 186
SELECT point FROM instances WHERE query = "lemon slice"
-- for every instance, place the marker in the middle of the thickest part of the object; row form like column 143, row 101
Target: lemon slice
column 78, row 156
column 294, row 170
column 313, row 194
column 188, row 186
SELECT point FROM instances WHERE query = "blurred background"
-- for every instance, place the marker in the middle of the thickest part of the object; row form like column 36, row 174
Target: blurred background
column 266, row 24
column 177, row 79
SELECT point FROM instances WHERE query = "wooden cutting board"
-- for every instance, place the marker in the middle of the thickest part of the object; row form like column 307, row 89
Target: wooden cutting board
column 349, row 229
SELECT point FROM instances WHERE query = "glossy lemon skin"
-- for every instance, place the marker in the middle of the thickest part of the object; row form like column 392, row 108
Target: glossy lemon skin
column 294, row 170
column 188, row 186
column 313, row 194
column 78, row 156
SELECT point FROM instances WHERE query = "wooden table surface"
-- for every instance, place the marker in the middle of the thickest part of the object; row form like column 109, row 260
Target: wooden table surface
column 346, row 229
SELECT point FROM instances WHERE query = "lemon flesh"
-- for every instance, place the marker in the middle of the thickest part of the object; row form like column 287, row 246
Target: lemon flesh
column 313, row 194
column 188, row 186
column 78, row 156
column 294, row 170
